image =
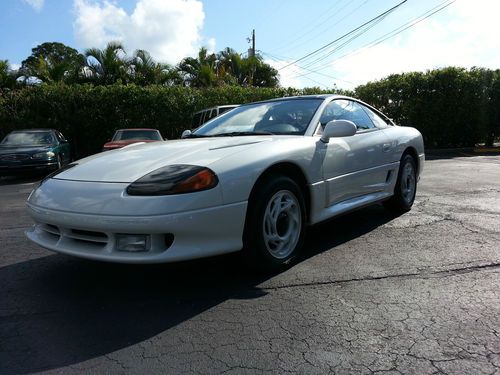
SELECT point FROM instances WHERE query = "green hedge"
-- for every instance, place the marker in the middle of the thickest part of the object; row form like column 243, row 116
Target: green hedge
column 452, row 107
column 88, row 115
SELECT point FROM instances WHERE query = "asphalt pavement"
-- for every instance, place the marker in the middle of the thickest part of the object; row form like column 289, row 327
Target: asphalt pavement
column 373, row 293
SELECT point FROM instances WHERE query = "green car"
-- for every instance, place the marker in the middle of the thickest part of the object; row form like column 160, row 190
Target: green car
column 33, row 150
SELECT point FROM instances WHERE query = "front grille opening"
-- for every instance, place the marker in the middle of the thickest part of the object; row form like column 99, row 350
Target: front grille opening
column 89, row 245
column 169, row 240
column 52, row 236
column 89, row 233
column 50, row 229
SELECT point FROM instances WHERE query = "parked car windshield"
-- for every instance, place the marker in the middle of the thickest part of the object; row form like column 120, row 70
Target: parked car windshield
column 125, row 135
column 28, row 139
column 277, row 117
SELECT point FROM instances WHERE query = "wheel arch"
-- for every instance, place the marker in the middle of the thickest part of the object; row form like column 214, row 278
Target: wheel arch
column 410, row 150
column 292, row 171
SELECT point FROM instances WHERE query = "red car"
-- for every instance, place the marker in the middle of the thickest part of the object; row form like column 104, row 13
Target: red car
column 124, row 137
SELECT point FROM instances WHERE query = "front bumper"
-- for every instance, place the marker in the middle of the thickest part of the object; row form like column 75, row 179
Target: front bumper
column 31, row 166
column 196, row 234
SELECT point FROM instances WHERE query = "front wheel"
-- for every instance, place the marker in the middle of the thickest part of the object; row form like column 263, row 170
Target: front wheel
column 406, row 186
column 275, row 226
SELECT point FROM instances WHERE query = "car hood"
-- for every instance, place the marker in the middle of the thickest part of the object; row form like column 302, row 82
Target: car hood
column 131, row 163
column 4, row 150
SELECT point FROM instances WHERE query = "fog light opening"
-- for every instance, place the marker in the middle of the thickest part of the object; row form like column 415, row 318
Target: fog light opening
column 132, row 242
column 169, row 240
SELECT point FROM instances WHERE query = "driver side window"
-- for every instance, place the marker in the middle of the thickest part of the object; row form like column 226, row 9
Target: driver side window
column 343, row 109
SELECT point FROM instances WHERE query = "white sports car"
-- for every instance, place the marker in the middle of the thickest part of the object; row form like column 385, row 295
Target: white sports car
column 252, row 179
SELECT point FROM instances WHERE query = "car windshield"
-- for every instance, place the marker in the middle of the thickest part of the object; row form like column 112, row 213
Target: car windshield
column 28, row 139
column 289, row 117
column 125, row 135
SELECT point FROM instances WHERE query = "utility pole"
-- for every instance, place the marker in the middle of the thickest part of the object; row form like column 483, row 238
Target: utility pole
column 251, row 55
column 251, row 51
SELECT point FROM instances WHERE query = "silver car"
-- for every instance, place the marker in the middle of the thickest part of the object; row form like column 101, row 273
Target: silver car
column 250, row 179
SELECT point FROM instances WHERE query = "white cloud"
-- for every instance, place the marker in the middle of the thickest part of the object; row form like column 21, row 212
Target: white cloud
column 211, row 45
column 35, row 4
column 168, row 30
column 466, row 37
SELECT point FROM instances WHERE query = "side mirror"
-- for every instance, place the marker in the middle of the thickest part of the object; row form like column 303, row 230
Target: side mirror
column 186, row 133
column 338, row 128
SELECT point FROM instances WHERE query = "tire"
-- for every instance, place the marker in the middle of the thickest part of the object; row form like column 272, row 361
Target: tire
column 275, row 225
column 406, row 186
column 59, row 161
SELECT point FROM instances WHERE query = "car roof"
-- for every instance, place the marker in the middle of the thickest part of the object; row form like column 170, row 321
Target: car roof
column 319, row 96
column 218, row 106
column 302, row 97
column 137, row 129
column 32, row 130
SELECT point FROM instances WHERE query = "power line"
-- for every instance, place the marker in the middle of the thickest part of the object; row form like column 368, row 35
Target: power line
column 309, row 78
column 391, row 34
column 354, row 37
column 313, row 26
column 347, row 34
column 283, row 58
column 316, row 27
column 378, row 41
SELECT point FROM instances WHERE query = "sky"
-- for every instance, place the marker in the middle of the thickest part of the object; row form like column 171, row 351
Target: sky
column 464, row 33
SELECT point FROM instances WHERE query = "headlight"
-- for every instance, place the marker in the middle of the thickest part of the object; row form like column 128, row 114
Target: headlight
column 44, row 155
column 174, row 179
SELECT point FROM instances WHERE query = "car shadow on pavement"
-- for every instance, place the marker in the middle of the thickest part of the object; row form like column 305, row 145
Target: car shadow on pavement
column 20, row 179
column 57, row 311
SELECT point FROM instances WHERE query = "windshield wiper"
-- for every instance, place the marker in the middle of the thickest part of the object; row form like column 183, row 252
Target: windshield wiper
column 236, row 134
column 229, row 134
column 192, row 135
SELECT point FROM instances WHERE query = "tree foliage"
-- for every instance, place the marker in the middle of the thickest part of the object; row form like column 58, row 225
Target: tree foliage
column 227, row 68
column 53, row 62
column 89, row 114
column 452, row 107
column 8, row 77
column 106, row 66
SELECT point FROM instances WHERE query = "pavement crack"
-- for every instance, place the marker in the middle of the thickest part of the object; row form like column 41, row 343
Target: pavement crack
column 410, row 275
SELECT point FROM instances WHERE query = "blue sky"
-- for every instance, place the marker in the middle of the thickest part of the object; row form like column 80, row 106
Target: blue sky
column 463, row 34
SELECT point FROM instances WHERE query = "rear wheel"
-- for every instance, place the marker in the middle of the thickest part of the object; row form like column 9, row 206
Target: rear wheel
column 406, row 186
column 275, row 226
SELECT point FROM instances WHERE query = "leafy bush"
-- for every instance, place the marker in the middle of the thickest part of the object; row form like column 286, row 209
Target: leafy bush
column 88, row 115
column 452, row 107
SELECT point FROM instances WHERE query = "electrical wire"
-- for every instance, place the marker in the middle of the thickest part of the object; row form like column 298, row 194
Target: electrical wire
column 339, row 47
column 345, row 35
column 317, row 26
column 388, row 35
column 281, row 59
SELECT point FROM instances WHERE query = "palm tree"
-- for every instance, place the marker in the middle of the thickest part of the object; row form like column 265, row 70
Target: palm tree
column 143, row 70
column 229, row 67
column 200, row 71
column 107, row 66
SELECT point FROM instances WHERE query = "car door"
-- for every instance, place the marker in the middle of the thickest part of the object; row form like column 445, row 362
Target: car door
column 64, row 148
column 354, row 166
